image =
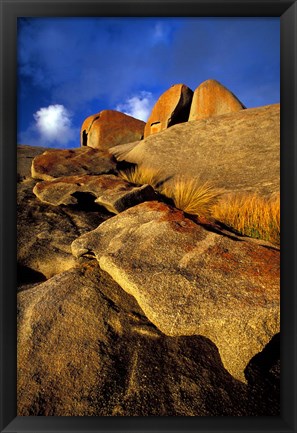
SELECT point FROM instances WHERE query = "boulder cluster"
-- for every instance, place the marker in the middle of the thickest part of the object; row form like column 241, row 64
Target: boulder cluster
column 126, row 305
column 177, row 105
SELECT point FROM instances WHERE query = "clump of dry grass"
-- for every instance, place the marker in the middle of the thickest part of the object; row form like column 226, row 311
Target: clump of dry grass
column 251, row 215
column 192, row 196
column 141, row 175
column 248, row 213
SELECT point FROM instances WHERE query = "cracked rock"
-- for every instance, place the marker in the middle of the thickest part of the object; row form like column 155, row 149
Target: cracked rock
column 191, row 280
column 85, row 348
column 109, row 191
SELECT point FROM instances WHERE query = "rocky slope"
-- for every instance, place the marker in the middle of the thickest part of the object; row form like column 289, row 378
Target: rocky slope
column 190, row 280
column 236, row 151
column 142, row 313
column 85, row 348
column 128, row 306
column 45, row 232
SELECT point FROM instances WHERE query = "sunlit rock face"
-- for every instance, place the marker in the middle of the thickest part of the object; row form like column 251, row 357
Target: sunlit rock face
column 172, row 107
column 237, row 151
column 211, row 98
column 190, row 280
column 55, row 163
column 152, row 311
column 109, row 128
column 85, row 348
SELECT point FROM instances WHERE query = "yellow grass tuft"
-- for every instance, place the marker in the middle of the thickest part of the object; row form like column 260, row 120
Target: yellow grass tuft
column 192, row 196
column 141, row 175
column 248, row 213
column 251, row 215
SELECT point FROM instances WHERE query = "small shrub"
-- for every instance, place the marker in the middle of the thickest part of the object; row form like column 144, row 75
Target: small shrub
column 251, row 215
column 192, row 196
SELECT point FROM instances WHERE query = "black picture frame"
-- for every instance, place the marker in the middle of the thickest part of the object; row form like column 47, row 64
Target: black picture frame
column 10, row 11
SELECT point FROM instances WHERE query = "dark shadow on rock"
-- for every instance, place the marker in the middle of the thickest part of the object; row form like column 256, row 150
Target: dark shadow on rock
column 27, row 275
column 124, row 165
column 182, row 110
column 260, row 365
column 211, row 228
column 86, row 202
column 226, row 227
column 263, row 376
column 84, row 138
column 164, row 199
column 269, row 247
column 236, row 232
column 216, row 227
column 162, row 181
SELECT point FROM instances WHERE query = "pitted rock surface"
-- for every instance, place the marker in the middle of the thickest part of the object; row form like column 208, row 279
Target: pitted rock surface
column 172, row 107
column 109, row 191
column 236, row 151
column 85, row 348
column 68, row 162
column 191, row 280
column 211, row 98
column 110, row 128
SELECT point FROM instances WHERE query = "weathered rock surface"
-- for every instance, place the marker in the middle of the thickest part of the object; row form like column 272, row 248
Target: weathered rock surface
column 25, row 156
column 211, row 98
column 69, row 162
column 110, row 128
column 86, row 349
column 44, row 232
column 238, row 151
column 110, row 191
column 85, row 346
column 190, row 280
column 172, row 107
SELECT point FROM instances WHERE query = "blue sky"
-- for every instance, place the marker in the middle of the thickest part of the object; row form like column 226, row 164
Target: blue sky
column 70, row 68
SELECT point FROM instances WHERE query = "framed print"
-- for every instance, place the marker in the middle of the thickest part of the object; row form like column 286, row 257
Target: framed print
column 147, row 170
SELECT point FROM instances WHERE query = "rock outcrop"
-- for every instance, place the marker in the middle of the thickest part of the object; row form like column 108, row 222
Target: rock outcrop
column 45, row 232
column 211, row 98
column 151, row 312
column 110, row 128
column 237, row 151
column 110, row 191
column 172, row 107
column 69, row 162
column 191, row 280
column 85, row 348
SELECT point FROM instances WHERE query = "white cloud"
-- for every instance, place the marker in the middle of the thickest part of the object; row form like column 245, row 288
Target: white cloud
column 52, row 128
column 138, row 106
column 53, row 124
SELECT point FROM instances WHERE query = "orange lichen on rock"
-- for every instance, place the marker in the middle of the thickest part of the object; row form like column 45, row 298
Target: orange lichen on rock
column 57, row 163
column 172, row 107
column 211, row 98
column 110, row 128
